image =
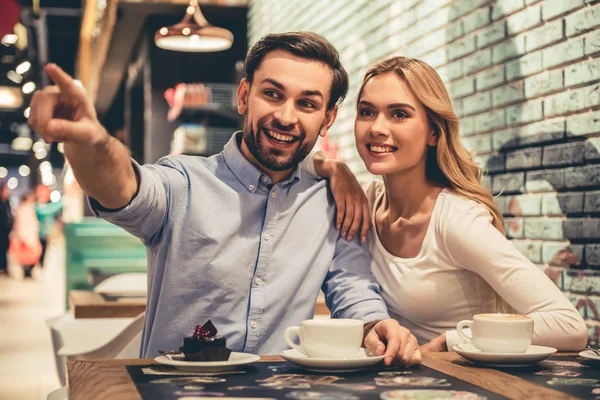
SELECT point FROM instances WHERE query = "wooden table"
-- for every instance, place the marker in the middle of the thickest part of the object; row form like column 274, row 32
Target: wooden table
column 86, row 304
column 110, row 380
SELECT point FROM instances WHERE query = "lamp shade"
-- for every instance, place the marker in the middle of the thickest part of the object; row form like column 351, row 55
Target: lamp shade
column 193, row 34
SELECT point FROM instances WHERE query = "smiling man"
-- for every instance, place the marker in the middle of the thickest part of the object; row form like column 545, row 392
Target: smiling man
column 278, row 133
column 245, row 237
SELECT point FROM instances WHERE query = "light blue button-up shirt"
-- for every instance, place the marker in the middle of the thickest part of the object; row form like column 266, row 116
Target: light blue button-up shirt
column 225, row 244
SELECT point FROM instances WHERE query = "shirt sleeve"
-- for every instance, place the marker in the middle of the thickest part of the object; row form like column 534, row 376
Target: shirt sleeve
column 475, row 244
column 350, row 289
column 161, row 188
column 308, row 164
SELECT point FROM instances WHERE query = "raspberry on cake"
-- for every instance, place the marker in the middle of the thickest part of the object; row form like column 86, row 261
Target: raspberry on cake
column 205, row 345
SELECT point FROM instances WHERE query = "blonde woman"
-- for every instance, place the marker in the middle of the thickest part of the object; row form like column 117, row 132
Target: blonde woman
column 437, row 240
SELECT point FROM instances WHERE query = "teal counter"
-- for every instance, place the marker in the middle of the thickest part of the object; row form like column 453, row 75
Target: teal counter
column 96, row 249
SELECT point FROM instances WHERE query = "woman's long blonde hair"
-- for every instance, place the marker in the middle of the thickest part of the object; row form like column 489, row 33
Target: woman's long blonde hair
column 449, row 163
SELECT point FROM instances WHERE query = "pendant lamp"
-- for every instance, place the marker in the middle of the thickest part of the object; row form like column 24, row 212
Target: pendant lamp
column 193, row 34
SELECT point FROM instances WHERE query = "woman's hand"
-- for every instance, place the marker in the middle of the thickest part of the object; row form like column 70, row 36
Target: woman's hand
column 352, row 216
column 435, row 345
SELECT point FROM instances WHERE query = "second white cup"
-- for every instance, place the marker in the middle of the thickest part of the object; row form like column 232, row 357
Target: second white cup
column 327, row 338
column 498, row 333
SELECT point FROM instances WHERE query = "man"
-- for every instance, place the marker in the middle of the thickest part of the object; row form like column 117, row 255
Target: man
column 244, row 237
column 6, row 223
column 47, row 212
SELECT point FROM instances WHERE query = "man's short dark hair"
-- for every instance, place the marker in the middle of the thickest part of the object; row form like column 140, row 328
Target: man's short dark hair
column 307, row 45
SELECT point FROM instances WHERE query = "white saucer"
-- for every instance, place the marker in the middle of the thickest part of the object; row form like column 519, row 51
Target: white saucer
column 235, row 360
column 363, row 359
column 589, row 355
column 533, row 355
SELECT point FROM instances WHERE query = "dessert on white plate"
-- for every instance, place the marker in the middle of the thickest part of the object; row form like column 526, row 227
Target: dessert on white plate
column 204, row 351
column 235, row 360
column 205, row 345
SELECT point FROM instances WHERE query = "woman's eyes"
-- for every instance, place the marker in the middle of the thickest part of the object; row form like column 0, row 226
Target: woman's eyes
column 399, row 114
column 367, row 112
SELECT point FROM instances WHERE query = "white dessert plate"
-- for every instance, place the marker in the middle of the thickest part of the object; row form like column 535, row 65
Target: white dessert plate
column 589, row 355
column 235, row 360
column 364, row 358
column 533, row 355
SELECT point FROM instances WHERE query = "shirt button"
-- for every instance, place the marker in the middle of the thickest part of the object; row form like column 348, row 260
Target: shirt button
column 251, row 187
column 264, row 179
column 273, row 195
column 253, row 324
column 267, row 236
column 258, row 281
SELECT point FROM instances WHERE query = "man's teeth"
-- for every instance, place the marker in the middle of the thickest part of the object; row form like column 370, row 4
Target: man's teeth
column 382, row 149
column 283, row 138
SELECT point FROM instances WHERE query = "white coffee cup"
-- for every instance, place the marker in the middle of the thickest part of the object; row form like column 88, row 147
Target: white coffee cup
column 327, row 338
column 498, row 333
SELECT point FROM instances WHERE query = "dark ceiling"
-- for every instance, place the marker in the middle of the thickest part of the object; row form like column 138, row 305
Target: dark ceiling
column 170, row 67
column 137, row 22
column 55, row 38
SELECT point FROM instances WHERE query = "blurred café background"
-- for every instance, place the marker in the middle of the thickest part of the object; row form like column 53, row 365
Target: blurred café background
column 524, row 76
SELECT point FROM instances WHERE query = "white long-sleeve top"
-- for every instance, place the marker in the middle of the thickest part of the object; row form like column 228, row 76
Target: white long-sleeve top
column 466, row 267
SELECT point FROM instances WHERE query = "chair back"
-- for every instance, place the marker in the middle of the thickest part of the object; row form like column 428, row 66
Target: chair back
column 125, row 345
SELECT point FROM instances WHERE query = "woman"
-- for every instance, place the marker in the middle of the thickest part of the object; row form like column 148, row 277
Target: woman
column 438, row 246
column 25, row 245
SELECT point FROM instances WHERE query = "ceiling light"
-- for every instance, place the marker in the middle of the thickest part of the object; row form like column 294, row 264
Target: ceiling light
column 55, row 196
column 41, row 153
column 13, row 76
column 26, row 112
column 45, row 167
column 10, row 97
column 48, row 179
column 3, row 172
column 28, row 87
column 193, row 35
column 23, row 67
column 24, row 170
column 22, row 143
column 40, row 144
column 12, row 183
column 9, row 39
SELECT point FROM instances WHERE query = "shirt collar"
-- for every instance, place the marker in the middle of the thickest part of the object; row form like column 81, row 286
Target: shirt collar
column 245, row 172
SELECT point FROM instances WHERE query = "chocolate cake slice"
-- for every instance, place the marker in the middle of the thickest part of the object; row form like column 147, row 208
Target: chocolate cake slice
column 205, row 345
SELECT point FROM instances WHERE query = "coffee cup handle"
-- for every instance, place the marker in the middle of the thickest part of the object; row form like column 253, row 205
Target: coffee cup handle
column 289, row 336
column 462, row 325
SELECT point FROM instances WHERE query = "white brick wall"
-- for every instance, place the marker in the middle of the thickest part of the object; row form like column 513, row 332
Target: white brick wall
column 524, row 76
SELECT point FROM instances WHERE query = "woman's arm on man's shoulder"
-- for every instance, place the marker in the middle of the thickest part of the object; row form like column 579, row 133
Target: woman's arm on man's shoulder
column 352, row 216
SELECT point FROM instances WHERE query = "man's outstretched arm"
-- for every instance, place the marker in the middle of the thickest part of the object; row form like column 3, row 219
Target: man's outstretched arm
column 101, row 164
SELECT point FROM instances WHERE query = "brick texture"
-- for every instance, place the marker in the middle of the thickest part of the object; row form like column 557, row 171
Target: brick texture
column 524, row 77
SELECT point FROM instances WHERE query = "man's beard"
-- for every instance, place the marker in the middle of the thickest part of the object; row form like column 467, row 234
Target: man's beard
column 272, row 158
